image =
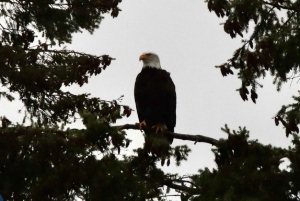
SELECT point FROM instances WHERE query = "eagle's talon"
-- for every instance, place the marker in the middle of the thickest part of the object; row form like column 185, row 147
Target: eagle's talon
column 141, row 125
column 159, row 128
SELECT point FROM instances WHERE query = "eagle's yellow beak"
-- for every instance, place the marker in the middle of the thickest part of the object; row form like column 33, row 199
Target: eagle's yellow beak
column 143, row 57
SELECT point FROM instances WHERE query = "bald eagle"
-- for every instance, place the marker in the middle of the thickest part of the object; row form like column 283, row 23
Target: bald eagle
column 155, row 96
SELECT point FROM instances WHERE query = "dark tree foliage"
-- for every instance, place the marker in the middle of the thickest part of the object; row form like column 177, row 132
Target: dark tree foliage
column 35, row 71
column 248, row 170
column 272, row 47
column 45, row 162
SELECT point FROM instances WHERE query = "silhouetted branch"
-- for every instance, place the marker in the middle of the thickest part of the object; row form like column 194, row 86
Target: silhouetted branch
column 195, row 138
column 191, row 191
column 276, row 5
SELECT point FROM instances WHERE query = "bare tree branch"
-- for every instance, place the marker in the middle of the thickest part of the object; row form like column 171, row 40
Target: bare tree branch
column 276, row 5
column 189, row 190
column 195, row 138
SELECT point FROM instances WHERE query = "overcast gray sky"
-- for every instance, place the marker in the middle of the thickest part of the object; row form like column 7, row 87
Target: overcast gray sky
column 190, row 42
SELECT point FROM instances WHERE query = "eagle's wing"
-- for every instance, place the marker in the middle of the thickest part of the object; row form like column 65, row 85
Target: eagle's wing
column 139, row 97
column 170, row 104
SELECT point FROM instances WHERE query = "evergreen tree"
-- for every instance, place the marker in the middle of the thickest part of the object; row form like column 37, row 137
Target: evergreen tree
column 45, row 162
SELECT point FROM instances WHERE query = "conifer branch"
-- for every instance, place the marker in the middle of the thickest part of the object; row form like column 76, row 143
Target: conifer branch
column 189, row 137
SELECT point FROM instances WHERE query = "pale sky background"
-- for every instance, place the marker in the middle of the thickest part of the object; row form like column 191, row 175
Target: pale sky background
column 190, row 41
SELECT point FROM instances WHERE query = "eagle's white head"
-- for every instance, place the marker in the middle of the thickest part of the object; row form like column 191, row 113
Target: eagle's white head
column 150, row 59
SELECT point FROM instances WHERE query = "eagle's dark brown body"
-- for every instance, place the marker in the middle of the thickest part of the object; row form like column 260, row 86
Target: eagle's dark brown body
column 155, row 98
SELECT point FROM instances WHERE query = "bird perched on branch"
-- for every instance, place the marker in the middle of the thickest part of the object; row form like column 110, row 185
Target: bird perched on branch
column 155, row 96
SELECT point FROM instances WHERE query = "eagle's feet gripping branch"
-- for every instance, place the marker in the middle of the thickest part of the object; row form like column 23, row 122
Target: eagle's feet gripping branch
column 141, row 125
column 159, row 128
